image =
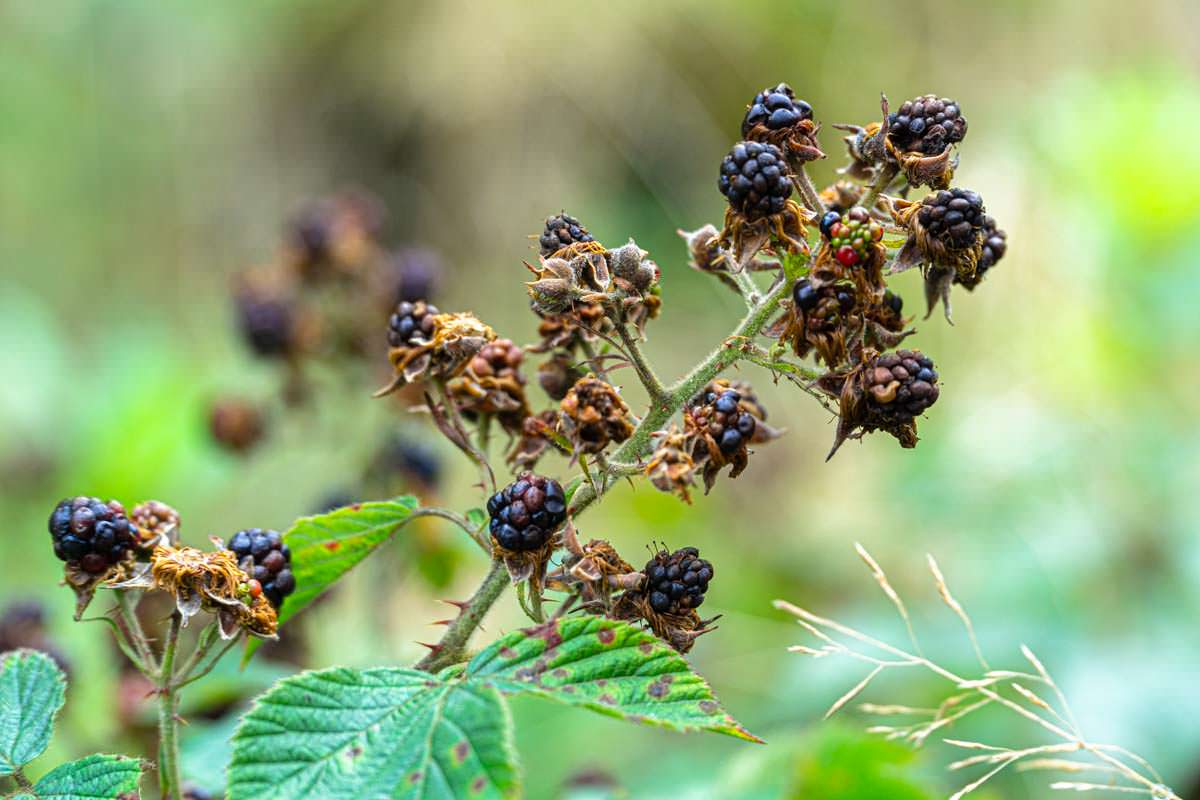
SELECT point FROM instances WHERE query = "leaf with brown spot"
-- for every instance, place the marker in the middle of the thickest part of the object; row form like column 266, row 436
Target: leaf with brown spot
column 607, row 666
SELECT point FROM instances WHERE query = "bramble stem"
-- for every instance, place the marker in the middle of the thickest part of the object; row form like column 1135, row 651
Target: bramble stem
column 452, row 645
column 645, row 372
column 186, row 678
column 133, row 628
column 746, row 287
column 887, row 174
column 808, row 192
column 23, row 783
column 593, row 359
column 169, row 782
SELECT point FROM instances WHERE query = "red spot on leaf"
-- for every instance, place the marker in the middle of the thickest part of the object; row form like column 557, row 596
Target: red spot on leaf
column 461, row 750
column 507, row 652
column 414, row 777
column 561, row 674
column 606, row 636
column 333, row 547
column 549, row 633
column 356, row 506
column 709, row 707
column 646, row 647
column 478, row 785
column 608, row 699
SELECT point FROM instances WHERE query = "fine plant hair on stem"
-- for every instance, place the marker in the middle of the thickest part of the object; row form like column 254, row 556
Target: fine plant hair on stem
column 1127, row 772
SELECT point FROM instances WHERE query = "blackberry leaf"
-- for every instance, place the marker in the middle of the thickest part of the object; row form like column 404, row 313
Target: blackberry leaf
column 400, row 733
column 96, row 777
column 32, row 690
column 606, row 666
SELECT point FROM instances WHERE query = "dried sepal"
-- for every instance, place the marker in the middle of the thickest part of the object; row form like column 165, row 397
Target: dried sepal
column 925, row 249
column 539, row 433
column 492, row 384
column 594, row 415
column 680, row 630
column 720, row 423
column 777, row 234
column 212, row 581
column 671, row 468
column 821, row 318
column 452, row 343
column 156, row 522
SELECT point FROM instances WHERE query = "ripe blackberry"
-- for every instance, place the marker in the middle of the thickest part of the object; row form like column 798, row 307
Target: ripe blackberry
column 955, row 217
column 527, row 512
column 852, row 236
column 995, row 245
column 901, row 386
column 267, row 560
column 676, row 582
column 562, row 230
column 91, row 534
column 720, row 411
column 411, row 323
column 267, row 324
column 927, row 124
column 755, row 179
column 775, row 109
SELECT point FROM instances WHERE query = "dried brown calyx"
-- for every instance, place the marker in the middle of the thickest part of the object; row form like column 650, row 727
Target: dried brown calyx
column 594, row 415
column 539, row 433
column 822, row 318
column 674, row 587
column 671, row 467
column 213, row 582
column 156, row 523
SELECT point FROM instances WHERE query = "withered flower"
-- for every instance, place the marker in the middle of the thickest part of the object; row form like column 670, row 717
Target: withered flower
column 426, row 344
column 557, row 374
column 947, row 231
column 493, row 384
column 594, row 415
column 721, row 422
column 561, row 231
column 564, row 331
column 671, row 468
column 593, row 571
column 213, row 582
column 632, row 268
column 777, row 116
column 538, row 434
column 884, row 392
column 886, row 325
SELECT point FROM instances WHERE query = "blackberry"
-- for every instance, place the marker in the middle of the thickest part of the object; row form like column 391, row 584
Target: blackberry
column 852, row 236
column 562, row 230
column 831, row 218
column 91, row 534
column 267, row 560
column 823, row 315
column 676, row 582
column 527, row 512
column 411, row 323
column 804, row 295
column 901, row 386
column 755, row 179
column 927, row 124
column 729, row 425
column 775, row 109
column 154, row 518
column 995, row 245
column 953, row 216
column 267, row 324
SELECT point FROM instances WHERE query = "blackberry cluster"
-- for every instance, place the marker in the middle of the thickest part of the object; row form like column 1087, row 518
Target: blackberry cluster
column 676, row 582
column 995, row 245
column 927, row 124
column 527, row 512
column 955, row 217
column 851, row 235
column 901, row 385
column 268, row 561
column 91, row 534
column 828, row 302
column 267, row 324
column 890, row 312
column 411, row 323
column 730, row 426
column 562, row 230
column 755, row 179
column 776, row 109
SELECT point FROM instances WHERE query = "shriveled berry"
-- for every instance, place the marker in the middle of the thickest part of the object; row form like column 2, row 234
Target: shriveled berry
column 775, row 108
column 927, row 124
column 562, row 230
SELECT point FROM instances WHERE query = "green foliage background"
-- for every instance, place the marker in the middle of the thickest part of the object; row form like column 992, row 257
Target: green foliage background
column 149, row 150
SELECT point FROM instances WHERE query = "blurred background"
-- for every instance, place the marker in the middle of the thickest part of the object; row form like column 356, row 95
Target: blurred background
column 152, row 151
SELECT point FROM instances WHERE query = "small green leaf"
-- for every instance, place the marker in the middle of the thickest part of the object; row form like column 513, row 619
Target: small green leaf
column 606, row 666
column 32, row 690
column 96, row 777
column 477, row 518
column 397, row 733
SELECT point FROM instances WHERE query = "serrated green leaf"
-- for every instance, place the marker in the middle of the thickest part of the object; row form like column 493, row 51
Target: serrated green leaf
column 607, row 666
column 96, row 777
column 396, row 733
column 327, row 546
column 32, row 690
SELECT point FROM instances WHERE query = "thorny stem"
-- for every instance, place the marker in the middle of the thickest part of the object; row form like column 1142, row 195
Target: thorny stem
column 452, row 645
column 169, row 781
column 133, row 628
column 23, row 783
column 645, row 372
